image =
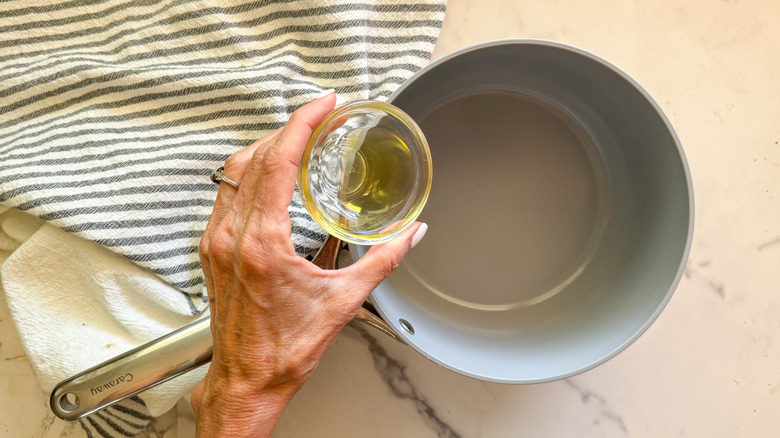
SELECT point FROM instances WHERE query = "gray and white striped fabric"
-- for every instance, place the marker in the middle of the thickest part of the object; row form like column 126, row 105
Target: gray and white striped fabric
column 127, row 418
column 113, row 113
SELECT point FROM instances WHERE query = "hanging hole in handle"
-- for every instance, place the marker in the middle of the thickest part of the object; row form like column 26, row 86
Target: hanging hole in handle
column 69, row 402
column 406, row 326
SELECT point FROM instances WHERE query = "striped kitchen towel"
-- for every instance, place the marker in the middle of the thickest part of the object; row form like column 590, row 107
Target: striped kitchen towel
column 114, row 113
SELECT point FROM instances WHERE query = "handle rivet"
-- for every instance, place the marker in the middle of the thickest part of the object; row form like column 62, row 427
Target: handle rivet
column 406, row 326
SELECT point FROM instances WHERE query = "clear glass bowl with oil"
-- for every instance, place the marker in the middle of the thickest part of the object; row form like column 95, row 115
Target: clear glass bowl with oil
column 366, row 172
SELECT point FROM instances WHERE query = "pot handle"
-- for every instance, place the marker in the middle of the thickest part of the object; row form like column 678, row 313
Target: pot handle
column 149, row 365
column 163, row 359
column 134, row 371
column 367, row 315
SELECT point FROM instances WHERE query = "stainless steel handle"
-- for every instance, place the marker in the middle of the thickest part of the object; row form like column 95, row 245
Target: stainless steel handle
column 367, row 315
column 163, row 359
column 130, row 373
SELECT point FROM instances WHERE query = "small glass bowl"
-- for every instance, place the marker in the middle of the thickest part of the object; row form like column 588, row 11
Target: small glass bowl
column 366, row 172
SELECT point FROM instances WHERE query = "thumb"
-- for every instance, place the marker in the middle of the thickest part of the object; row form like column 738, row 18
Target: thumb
column 381, row 260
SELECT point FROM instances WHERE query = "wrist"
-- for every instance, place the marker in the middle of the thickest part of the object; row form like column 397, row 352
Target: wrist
column 226, row 408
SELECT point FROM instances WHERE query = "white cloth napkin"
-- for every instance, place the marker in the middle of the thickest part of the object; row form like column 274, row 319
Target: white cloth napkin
column 76, row 304
column 112, row 115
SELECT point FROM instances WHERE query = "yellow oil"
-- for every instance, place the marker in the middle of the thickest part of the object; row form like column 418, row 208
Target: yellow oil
column 377, row 184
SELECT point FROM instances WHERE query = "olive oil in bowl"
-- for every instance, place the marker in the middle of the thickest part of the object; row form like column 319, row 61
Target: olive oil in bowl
column 366, row 173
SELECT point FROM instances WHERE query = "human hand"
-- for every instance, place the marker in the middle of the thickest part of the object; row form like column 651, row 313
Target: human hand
column 273, row 313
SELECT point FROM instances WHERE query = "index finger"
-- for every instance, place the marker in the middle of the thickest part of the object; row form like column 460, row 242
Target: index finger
column 273, row 176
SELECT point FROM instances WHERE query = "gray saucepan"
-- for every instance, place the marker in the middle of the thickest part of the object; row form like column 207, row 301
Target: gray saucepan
column 560, row 221
column 560, row 217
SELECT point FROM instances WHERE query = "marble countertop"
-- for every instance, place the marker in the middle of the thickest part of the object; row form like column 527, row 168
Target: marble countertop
column 708, row 367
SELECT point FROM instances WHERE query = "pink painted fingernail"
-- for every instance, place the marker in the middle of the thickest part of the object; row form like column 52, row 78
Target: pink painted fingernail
column 419, row 234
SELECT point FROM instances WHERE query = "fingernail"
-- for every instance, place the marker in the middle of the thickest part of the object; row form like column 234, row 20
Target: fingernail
column 419, row 234
column 325, row 93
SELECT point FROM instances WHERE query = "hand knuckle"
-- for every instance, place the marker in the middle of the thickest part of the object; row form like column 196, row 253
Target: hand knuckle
column 275, row 158
column 203, row 245
column 391, row 264
column 272, row 156
column 232, row 164
column 220, row 246
column 386, row 267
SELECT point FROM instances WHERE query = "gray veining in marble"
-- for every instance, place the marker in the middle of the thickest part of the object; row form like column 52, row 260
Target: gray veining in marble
column 602, row 406
column 394, row 375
